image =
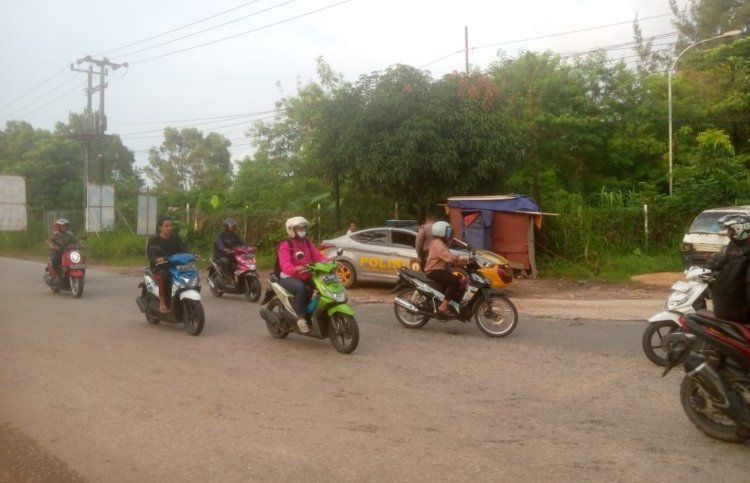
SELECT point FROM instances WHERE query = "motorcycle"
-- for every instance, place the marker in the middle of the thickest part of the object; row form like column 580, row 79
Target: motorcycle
column 687, row 297
column 185, row 303
column 418, row 297
column 73, row 270
column 327, row 315
column 715, row 392
column 244, row 279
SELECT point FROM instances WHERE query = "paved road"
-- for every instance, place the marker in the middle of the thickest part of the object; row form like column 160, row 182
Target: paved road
column 88, row 390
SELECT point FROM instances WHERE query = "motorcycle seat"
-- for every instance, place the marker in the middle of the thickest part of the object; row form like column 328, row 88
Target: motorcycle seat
column 418, row 275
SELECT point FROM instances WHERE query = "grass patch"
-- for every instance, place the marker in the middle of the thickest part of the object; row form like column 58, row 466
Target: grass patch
column 614, row 268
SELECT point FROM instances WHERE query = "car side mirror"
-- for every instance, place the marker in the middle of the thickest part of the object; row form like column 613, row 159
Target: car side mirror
column 339, row 251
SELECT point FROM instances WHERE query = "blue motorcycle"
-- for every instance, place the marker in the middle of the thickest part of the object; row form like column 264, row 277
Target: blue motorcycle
column 185, row 302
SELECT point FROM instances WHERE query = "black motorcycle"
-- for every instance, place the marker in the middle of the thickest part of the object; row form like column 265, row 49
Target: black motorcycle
column 715, row 393
column 418, row 298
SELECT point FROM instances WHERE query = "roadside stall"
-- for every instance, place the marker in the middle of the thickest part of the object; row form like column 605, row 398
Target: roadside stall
column 503, row 224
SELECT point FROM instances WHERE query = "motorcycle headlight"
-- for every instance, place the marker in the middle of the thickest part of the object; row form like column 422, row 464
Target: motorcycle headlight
column 251, row 266
column 192, row 282
column 75, row 257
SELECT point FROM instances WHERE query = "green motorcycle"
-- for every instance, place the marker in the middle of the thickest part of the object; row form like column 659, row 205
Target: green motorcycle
column 328, row 314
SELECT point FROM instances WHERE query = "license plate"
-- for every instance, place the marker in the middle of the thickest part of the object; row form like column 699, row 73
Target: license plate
column 330, row 278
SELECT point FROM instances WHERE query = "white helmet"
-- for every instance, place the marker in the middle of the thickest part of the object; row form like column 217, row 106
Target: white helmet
column 293, row 222
column 442, row 229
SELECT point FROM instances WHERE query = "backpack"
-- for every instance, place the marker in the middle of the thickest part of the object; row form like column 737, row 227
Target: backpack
column 277, row 264
column 728, row 290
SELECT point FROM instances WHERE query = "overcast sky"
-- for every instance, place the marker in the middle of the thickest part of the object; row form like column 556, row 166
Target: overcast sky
column 274, row 46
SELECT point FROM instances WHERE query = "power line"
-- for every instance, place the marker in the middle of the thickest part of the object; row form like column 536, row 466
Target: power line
column 179, row 28
column 208, row 29
column 41, row 97
column 34, row 88
column 558, row 34
column 82, row 85
column 229, row 116
column 242, row 33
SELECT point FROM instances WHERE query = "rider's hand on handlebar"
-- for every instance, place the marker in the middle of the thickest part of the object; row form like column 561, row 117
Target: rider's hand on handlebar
column 299, row 268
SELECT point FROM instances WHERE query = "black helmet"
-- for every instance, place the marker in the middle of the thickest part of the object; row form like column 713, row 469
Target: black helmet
column 229, row 222
column 737, row 225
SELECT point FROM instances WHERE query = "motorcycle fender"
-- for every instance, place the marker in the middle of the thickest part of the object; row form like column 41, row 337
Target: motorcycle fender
column 76, row 273
column 665, row 315
column 401, row 284
column 340, row 308
column 488, row 292
column 190, row 294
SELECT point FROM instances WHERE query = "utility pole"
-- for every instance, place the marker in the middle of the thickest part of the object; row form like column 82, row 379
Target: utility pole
column 466, row 48
column 94, row 124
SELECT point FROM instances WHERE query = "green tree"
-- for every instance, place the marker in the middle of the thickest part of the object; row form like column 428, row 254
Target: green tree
column 187, row 161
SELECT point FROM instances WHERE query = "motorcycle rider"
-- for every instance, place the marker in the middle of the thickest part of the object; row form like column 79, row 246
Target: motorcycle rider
column 438, row 263
column 227, row 240
column 159, row 247
column 424, row 236
column 731, row 288
column 59, row 241
column 293, row 254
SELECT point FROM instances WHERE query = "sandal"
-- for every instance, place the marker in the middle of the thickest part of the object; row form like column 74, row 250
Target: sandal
column 445, row 313
column 164, row 310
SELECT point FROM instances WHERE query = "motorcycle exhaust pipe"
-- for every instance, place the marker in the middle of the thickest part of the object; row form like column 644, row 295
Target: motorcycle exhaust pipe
column 411, row 308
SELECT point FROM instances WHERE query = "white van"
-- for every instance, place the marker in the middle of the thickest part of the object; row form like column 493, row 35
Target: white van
column 706, row 237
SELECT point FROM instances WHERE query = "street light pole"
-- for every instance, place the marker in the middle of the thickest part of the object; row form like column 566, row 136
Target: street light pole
column 731, row 33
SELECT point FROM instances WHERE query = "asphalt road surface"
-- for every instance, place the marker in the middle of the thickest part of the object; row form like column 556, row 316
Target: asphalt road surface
column 90, row 392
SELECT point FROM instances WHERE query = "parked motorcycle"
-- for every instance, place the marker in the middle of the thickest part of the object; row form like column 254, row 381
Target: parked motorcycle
column 715, row 393
column 244, row 279
column 73, row 270
column 687, row 297
column 185, row 303
column 418, row 298
column 328, row 314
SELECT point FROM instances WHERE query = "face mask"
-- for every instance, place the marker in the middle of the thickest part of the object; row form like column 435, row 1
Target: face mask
column 301, row 234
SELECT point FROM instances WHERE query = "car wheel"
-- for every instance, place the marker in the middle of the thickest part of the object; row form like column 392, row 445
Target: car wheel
column 345, row 271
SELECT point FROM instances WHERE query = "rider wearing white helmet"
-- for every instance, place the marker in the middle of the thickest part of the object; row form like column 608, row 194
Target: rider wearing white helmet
column 439, row 259
column 293, row 254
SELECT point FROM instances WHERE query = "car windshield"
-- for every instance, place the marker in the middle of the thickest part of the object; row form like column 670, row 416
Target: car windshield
column 708, row 223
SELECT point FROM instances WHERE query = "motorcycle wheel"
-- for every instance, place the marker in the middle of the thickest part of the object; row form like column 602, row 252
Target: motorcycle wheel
column 76, row 286
column 410, row 321
column 653, row 340
column 343, row 333
column 48, row 281
column 277, row 308
column 700, row 411
column 252, row 289
column 212, row 285
column 193, row 316
column 346, row 273
column 496, row 317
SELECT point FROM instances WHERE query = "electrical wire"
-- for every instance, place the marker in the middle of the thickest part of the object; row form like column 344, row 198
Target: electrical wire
column 558, row 34
column 34, row 88
column 41, row 97
column 139, row 61
column 207, row 29
column 178, row 28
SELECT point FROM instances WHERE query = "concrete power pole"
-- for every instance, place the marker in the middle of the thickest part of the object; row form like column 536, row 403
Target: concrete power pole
column 94, row 124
